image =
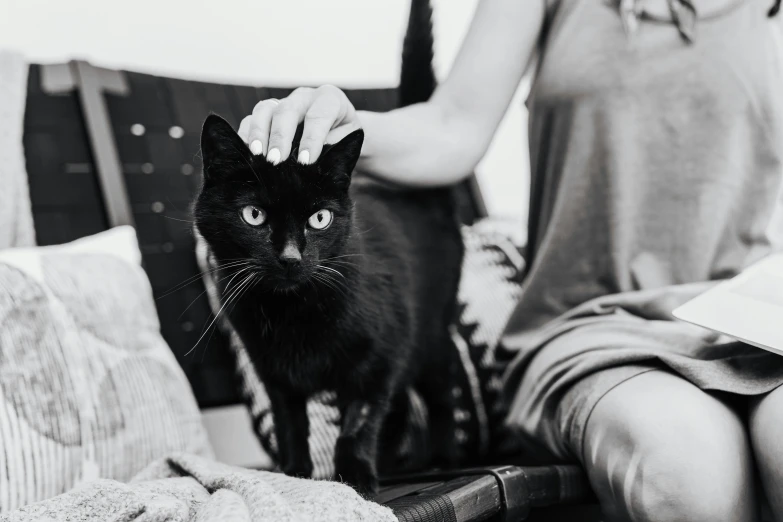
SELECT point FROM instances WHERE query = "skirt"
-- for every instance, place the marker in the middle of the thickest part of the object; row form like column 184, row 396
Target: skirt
column 557, row 374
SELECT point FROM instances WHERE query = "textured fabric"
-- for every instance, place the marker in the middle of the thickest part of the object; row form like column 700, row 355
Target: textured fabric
column 489, row 289
column 16, row 219
column 88, row 387
column 188, row 488
column 655, row 169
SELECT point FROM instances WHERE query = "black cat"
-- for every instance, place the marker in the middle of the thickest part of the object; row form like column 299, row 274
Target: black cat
column 336, row 286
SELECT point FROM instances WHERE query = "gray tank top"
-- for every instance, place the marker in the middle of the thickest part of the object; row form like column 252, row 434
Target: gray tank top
column 655, row 164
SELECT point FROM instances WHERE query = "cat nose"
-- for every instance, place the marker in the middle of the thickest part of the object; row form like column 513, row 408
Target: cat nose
column 290, row 256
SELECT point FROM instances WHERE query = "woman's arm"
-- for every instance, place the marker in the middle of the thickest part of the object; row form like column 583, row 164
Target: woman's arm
column 434, row 143
column 441, row 141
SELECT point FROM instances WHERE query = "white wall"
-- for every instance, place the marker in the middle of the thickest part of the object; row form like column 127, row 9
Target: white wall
column 284, row 42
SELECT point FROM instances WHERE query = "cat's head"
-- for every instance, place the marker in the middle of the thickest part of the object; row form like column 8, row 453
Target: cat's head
column 288, row 220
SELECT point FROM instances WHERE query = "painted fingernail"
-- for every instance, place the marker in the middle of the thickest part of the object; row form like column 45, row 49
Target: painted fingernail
column 256, row 147
column 273, row 157
column 304, row 157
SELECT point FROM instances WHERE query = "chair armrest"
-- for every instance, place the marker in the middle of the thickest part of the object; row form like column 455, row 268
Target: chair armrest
column 479, row 493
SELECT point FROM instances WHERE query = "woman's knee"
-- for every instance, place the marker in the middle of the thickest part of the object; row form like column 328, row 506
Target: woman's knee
column 766, row 433
column 658, row 448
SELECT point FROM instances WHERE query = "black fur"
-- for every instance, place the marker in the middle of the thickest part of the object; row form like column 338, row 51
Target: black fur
column 365, row 313
column 775, row 9
column 417, row 79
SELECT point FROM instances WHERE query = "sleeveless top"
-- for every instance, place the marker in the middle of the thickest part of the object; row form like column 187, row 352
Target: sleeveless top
column 655, row 169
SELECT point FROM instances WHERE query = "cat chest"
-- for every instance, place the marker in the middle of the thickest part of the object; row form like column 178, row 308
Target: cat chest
column 304, row 358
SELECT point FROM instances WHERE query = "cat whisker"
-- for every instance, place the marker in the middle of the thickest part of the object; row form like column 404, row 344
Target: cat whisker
column 235, row 259
column 320, row 279
column 341, row 284
column 232, row 297
column 328, row 275
column 254, row 279
column 231, row 294
column 227, row 293
column 342, row 256
column 235, row 269
column 192, row 303
column 193, row 279
column 228, row 312
column 332, row 270
column 232, row 264
column 178, row 219
column 342, row 263
column 359, row 233
column 207, row 289
column 329, row 282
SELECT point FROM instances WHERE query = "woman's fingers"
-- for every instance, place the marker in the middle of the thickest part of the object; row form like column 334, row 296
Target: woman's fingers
column 244, row 128
column 327, row 114
column 285, row 119
column 327, row 111
column 258, row 126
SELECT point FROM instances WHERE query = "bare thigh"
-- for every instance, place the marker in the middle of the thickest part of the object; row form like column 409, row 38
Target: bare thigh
column 766, row 434
column 659, row 448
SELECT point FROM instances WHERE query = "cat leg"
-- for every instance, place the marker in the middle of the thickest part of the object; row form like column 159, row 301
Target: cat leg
column 435, row 386
column 356, row 453
column 396, row 428
column 289, row 412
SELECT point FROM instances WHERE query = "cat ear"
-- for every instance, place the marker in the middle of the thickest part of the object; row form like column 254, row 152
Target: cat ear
column 221, row 147
column 339, row 160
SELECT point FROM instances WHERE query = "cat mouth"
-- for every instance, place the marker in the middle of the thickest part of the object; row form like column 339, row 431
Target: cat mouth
column 289, row 280
column 289, row 285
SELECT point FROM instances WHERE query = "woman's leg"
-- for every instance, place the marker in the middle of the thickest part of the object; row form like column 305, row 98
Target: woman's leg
column 659, row 448
column 766, row 435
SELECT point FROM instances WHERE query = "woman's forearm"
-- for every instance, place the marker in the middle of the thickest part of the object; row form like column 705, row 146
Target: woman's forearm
column 419, row 145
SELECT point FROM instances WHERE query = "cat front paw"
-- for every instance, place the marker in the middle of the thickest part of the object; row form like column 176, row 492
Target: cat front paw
column 358, row 473
column 301, row 467
column 362, row 478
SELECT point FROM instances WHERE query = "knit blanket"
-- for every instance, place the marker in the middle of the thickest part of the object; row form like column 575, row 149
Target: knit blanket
column 189, row 488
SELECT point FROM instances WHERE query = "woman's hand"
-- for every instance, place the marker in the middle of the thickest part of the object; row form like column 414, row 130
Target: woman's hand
column 327, row 114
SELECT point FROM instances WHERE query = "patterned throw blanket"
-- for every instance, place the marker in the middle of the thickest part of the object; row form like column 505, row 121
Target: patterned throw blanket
column 189, row 488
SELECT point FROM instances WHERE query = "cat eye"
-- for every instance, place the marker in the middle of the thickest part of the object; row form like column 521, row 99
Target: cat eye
column 253, row 215
column 320, row 220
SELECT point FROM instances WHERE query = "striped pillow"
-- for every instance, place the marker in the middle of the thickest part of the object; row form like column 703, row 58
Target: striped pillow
column 88, row 387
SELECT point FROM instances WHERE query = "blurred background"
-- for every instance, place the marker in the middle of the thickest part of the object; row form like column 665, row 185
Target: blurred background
column 270, row 43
